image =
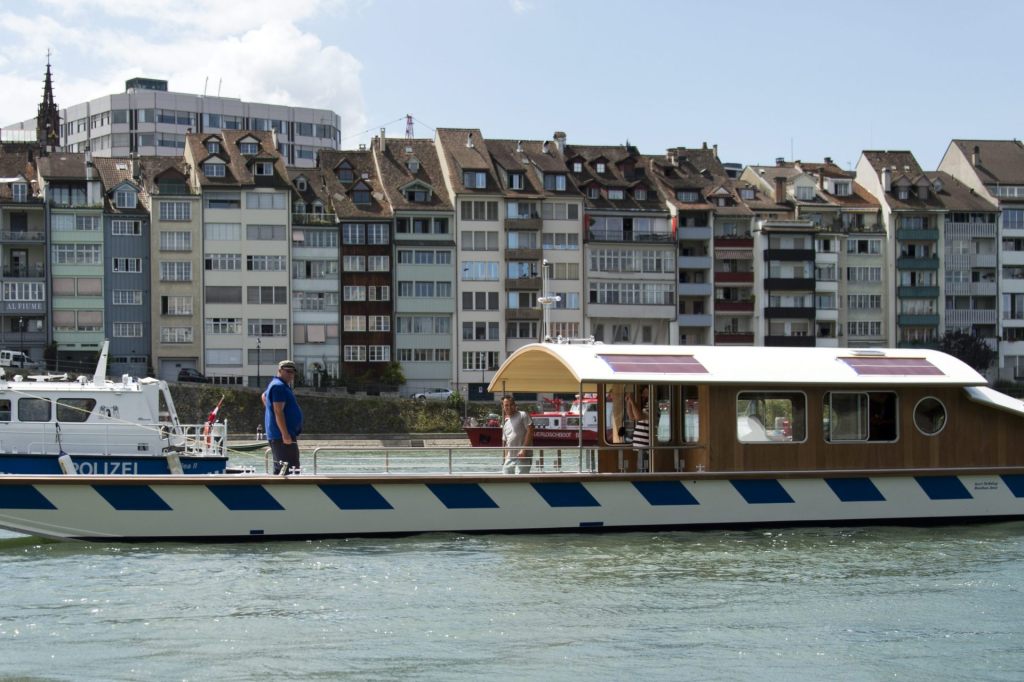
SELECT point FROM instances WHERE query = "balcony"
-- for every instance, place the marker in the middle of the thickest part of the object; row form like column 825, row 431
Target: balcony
column 734, row 277
column 917, row 234
column 694, row 233
column 983, row 260
column 523, row 284
column 745, row 338
column 523, row 254
column 790, row 341
column 927, row 263
column 530, row 223
column 37, row 271
column 23, row 236
column 518, row 314
column 605, row 235
column 789, row 283
column 827, row 315
column 313, row 219
column 970, row 317
column 694, row 262
column 789, row 254
column 926, row 320
column 983, row 288
column 917, row 292
column 694, row 289
column 788, row 313
column 734, row 242
column 734, row 306
column 694, row 320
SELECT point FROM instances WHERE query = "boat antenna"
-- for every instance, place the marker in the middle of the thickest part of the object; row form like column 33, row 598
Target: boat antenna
column 100, row 377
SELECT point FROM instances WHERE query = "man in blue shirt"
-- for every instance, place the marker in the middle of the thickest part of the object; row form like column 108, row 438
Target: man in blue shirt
column 282, row 418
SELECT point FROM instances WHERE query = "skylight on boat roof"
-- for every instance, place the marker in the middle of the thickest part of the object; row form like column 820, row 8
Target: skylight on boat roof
column 893, row 366
column 643, row 364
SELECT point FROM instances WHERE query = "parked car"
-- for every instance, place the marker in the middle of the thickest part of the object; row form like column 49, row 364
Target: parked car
column 434, row 394
column 192, row 374
column 15, row 358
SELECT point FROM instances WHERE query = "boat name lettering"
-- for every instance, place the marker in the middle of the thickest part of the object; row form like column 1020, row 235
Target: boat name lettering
column 89, row 468
column 986, row 485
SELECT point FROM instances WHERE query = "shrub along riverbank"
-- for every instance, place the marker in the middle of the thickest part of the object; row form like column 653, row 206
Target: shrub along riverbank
column 326, row 413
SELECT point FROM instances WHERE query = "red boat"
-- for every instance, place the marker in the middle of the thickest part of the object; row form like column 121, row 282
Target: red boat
column 552, row 427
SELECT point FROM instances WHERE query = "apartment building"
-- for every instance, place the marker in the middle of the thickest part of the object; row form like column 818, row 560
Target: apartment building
column 24, row 313
column 629, row 252
column 994, row 170
column 175, row 291
column 126, row 266
column 424, row 251
column 367, row 337
column 149, row 119
column 246, row 203
column 316, row 291
column 71, row 186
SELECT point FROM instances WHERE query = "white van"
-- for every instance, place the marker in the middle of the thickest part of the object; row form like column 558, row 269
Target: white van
column 15, row 358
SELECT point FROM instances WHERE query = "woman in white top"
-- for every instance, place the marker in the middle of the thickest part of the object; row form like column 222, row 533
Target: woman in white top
column 638, row 413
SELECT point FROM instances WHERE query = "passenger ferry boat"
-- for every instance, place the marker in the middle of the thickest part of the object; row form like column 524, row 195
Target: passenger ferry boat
column 743, row 437
column 93, row 425
column 552, row 427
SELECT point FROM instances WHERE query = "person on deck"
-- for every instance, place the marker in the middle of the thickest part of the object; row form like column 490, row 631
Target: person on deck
column 282, row 418
column 516, row 437
column 638, row 412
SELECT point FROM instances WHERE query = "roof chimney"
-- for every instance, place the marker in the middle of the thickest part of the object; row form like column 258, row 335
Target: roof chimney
column 976, row 156
column 780, row 160
column 886, row 179
column 705, row 145
column 715, row 147
column 828, row 160
column 469, row 140
column 670, row 154
column 545, row 147
column 780, row 189
column 560, row 138
column 381, row 144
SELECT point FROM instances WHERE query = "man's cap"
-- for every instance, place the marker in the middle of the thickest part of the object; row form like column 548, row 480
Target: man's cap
column 286, row 364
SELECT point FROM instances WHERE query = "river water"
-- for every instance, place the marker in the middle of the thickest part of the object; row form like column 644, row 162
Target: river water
column 851, row 603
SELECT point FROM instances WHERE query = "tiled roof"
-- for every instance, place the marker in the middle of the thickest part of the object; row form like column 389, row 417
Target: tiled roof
column 625, row 168
column 393, row 164
column 364, row 175
column 14, row 164
column 460, row 156
column 62, row 166
column 239, row 171
column 957, row 196
column 1001, row 161
column 902, row 164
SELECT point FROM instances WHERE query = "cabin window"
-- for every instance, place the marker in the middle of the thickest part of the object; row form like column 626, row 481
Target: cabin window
column 74, row 409
column 5, row 410
column 33, row 410
column 930, row 416
column 849, row 417
column 771, row 417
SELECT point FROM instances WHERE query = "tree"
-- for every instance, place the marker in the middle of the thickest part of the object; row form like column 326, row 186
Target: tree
column 968, row 348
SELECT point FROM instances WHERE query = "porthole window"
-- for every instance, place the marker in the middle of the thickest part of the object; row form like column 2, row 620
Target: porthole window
column 930, row 416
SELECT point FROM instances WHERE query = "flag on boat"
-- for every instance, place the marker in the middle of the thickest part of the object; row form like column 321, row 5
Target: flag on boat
column 213, row 415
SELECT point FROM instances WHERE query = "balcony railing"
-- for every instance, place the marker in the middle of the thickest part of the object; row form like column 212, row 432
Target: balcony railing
column 36, row 271
column 789, row 254
column 789, row 283
column 734, row 337
column 735, row 277
column 522, row 283
column 789, row 312
column 618, row 235
column 734, row 306
column 313, row 219
column 513, row 314
column 22, row 236
column 526, row 223
column 523, row 254
column 790, row 341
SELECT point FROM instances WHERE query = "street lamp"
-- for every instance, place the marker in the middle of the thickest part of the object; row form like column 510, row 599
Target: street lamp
column 546, row 300
column 21, row 330
column 259, row 365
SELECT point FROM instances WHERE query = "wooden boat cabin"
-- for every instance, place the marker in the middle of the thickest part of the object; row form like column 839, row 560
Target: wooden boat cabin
column 742, row 409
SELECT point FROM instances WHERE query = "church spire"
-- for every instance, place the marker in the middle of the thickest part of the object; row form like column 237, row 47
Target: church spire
column 48, row 118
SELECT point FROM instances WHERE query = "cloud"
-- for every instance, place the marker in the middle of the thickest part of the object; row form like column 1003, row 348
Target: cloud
column 520, row 6
column 199, row 45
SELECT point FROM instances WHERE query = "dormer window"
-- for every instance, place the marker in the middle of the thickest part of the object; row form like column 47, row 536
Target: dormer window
column 687, row 196
column 126, row 198
column 318, row 208
column 640, row 194
column 843, row 189
column 805, row 193
column 592, row 192
column 515, row 180
column 417, row 195
column 554, row 182
column 413, row 165
column 346, row 174
column 746, row 193
column 249, row 148
column 474, row 179
column 19, row 192
column 299, row 207
column 301, row 185
column 213, row 147
column 615, row 194
column 361, row 194
column 577, row 166
column 600, row 167
column 213, row 169
column 263, row 168
column 902, row 194
column 922, row 193
column 722, row 202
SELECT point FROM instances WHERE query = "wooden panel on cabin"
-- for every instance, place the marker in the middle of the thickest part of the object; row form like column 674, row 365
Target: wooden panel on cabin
column 608, row 460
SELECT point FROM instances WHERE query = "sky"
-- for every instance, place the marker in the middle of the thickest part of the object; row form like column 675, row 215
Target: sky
column 793, row 79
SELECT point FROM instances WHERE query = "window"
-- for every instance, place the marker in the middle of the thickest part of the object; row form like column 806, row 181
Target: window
column 554, row 182
column 346, row 174
column 746, row 193
column 267, row 327
column 263, row 168
column 126, row 228
column 175, row 241
column 377, row 233
column 222, row 232
column 479, row 210
column 71, row 409
column 849, row 417
column 640, row 194
column 127, row 330
column 361, row 196
column 480, row 240
column 213, row 146
column 266, row 295
column 929, row 416
column 266, row 263
column 33, row 410
column 615, row 195
column 249, row 148
column 354, row 263
column 223, row 261
column 380, row 323
column 474, row 179
column 379, row 293
column 481, row 331
column 600, row 167
column 379, row 263
column 277, row 201
column 125, row 198
column 19, row 192
column 178, row 305
column 380, row 353
column 353, row 233
column 355, row 323
column 76, row 254
column 687, row 196
column 766, row 417
column 87, row 223
column 515, row 180
column 577, row 166
column 354, row 353
column 265, row 232
column 175, row 271
column 354, row 293
column 225, row 200
column 126, row 297
column 214, row 169
column 175, row 210
column 479, row 300
column 805, row 193
column 176, row 335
